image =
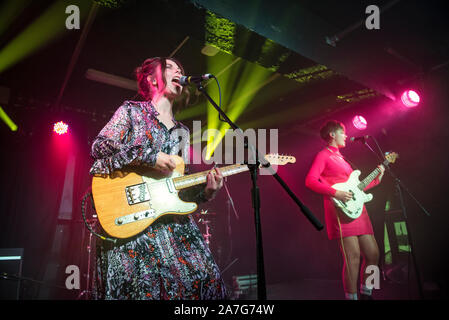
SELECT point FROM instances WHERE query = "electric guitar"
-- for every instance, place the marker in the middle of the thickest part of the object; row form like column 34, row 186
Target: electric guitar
column 353, row 208
column 127, row 202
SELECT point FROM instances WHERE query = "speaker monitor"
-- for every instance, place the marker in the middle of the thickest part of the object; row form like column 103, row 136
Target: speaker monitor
column 10, row 272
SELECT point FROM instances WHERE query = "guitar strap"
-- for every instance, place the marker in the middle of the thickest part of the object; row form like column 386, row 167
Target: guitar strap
column 83, row 211
column 354, row 167
column 343, row 248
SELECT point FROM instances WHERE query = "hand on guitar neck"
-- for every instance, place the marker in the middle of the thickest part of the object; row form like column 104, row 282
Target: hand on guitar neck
column 214, row 183
column 382, row 171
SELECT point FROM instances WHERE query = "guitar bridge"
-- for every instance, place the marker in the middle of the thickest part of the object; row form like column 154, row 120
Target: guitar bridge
column 137, row 193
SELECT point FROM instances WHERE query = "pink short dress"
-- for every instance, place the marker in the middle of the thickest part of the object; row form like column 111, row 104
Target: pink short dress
column 328, row 168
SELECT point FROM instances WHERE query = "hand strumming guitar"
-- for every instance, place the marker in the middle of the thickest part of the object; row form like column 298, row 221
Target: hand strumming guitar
column 343, row 195
column 164, row 163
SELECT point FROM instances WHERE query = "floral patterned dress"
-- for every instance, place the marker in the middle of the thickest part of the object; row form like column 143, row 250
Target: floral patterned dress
column 170, row 259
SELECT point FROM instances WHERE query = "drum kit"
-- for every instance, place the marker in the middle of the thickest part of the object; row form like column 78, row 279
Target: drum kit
column 207, row 222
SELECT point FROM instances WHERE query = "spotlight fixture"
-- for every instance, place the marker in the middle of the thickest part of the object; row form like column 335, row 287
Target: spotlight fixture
column 359, row 122
column 410, row 98
column 60, row 128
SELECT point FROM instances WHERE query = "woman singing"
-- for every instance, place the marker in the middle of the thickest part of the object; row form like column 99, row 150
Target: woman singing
column 355, row 236
column 170, row 259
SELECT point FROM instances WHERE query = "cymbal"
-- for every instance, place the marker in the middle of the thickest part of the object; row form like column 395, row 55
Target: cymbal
column 205, row 212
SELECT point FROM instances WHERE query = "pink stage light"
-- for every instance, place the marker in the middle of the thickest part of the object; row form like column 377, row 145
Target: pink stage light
column 359, row 122
column 410, row 98
column 60, row 128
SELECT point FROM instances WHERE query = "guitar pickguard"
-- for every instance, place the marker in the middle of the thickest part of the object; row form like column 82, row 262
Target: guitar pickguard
column 164, row 197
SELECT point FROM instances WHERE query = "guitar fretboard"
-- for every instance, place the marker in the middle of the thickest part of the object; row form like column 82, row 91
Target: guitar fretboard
column 362, row 185
column 200, row 177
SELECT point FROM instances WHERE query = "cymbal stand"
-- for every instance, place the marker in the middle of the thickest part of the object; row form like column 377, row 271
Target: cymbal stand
column 206, row 223
column 87, row 292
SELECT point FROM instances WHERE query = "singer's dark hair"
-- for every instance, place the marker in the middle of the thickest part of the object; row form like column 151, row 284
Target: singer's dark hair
column 329, row 127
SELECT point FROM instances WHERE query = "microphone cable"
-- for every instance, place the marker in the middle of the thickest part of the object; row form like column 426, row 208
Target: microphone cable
column 219, row 97
column 87, row 194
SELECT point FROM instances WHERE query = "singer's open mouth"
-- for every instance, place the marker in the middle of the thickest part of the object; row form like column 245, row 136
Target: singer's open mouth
column 175, row 82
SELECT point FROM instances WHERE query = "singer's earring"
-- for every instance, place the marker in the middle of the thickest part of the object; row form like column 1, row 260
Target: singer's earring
column 153, row 81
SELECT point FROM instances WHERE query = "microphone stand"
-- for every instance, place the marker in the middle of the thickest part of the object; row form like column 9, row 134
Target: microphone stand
column 399, row 187
column 261, row 285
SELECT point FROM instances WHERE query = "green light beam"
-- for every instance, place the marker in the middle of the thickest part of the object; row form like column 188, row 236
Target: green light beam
column 41, row 31
column 252, row 79
column 9, row 11
column 6, row 119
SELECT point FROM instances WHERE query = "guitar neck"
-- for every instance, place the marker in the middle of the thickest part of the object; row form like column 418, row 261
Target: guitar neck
column 201, row 177
column 370, row 177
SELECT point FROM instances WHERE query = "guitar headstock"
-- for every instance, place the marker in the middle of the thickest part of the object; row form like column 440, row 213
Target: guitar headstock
column 391, row 156
column 279, row 159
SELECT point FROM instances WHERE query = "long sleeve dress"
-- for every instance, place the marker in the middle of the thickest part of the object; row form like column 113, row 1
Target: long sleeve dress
column 329, row 168
column 169, row 260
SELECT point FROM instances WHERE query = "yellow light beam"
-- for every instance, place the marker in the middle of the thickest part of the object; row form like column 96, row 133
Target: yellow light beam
column 6, row 119
column 250, row 81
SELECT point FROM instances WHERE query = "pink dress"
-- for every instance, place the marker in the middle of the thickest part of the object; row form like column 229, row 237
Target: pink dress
column 329, row 168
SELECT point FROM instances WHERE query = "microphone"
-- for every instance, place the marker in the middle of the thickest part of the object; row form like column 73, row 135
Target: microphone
column 362, row 138
column 186, row 80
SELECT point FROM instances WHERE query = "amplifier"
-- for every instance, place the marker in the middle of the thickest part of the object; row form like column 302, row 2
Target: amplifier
column 11, row 260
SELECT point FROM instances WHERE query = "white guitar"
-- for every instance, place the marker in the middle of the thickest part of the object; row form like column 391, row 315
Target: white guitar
column 353, row 208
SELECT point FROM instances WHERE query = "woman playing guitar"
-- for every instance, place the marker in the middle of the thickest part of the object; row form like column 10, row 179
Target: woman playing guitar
column 356, row 236
column 170, row 259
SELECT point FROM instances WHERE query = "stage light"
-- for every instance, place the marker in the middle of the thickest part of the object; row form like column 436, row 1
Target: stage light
column 209, row 50
column 410, row 98
column 60, row 128
column 359, row 122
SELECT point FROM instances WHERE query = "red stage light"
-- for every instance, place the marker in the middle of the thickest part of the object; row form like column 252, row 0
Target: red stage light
column 60, row 128
column 410, row 98
column 359, row 122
